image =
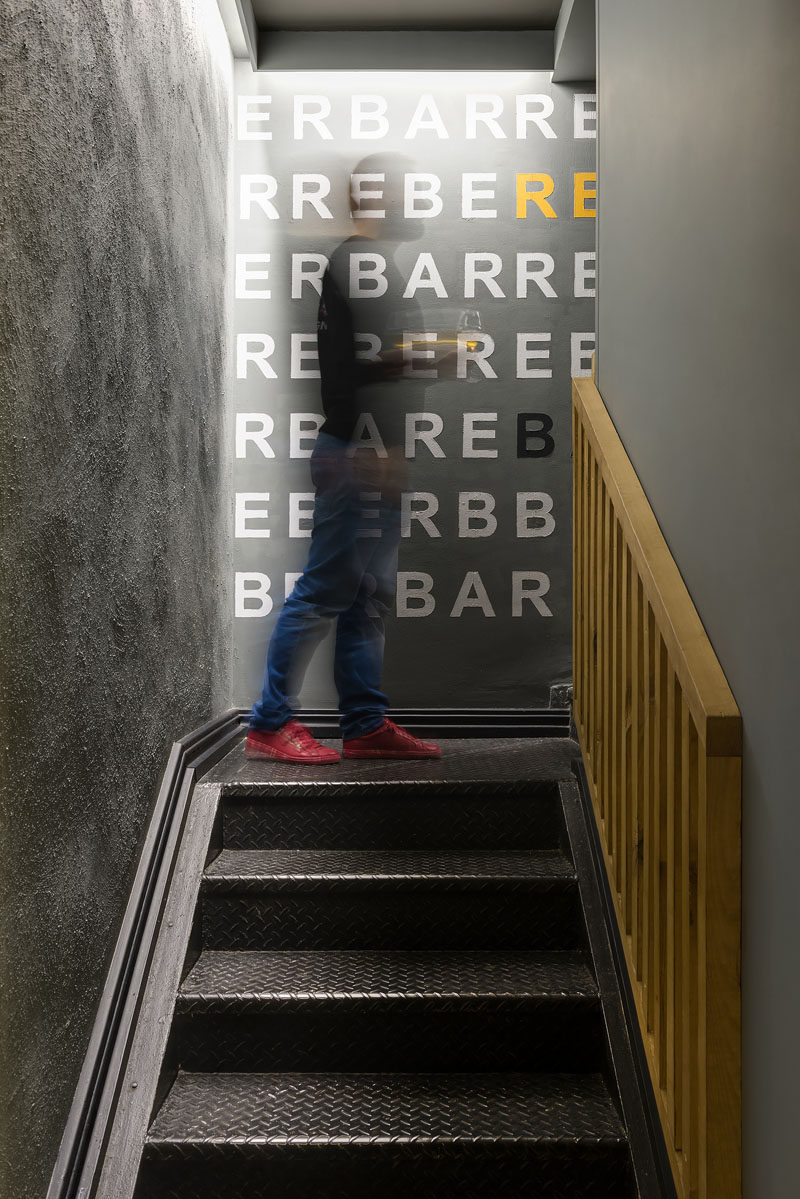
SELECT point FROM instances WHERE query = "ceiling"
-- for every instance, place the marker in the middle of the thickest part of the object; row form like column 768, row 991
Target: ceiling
column 321, row 15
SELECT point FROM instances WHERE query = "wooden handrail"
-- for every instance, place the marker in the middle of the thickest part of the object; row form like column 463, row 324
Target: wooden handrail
column 661, row 737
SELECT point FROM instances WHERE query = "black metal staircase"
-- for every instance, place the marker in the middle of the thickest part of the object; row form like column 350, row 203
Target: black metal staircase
column 391, row 989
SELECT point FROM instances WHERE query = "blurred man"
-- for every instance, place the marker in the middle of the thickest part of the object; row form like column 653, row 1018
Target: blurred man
column 351, row 572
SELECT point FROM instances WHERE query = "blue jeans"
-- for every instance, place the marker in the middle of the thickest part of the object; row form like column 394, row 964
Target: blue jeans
column 350, row 577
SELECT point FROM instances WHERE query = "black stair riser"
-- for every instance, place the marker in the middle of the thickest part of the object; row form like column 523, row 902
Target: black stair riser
column 270, row 870
column 542, row 722
column 445, row 1035
column 463, row 1171
column 547, row 918
column 533, row 819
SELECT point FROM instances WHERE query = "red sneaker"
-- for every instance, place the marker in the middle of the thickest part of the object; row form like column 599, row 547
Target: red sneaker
column 390, row 741
column 292, row 742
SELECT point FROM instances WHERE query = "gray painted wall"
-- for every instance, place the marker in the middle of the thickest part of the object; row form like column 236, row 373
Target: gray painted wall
column 115, row 134
column 698, row 314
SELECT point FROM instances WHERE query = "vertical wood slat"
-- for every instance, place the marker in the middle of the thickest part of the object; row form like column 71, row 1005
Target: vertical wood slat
column 662, row 738
column 575, row 502
column 579, row 581
column 665, row 926
column 673, row 925
column 650, row 831
column 624, row 829
column 609, row 535
column 586, row 583
column 577, row 540
column 618, row 799
column 599, row 574
column 638, row 778
column 634, row 786
column 600, row 626
column 615, row 668
column 684, row 951
column 689, row 1063
column 591, row 534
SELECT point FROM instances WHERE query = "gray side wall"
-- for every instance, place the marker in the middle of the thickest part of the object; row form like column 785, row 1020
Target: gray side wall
column 698, row 313
column 116, row 135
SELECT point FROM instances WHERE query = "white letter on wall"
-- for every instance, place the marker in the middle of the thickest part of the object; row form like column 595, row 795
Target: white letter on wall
column 366, row 111
column 411, row 355
column 301, row 512
column 265, row 347
column 534, row 505
column 259, row 190
column 415, row 433
column 252, row 116
column 472, row 594
column 476, row 514
column 252, row 594
column 540, row 585
column 425, row 275
column 310, row 189
column 421, row 506
column 360, row 193
column 582, row 348
column 414, row 593
column 486, row 274
column 370, row 345
column 312, row 110
column 243, row 498
column 255, row 427
column 585, row 115
column 465, row 355
column 525, row 354
column 314, row 276
column 426, row 116
column 422, row 188
column 373, row 272
column 303, row 429
column 536, row 268
column 244, row 274
column 484, row 109
column 585, row 270
column 471, row 434
column 470, row 193
column 300, row 355
column 544, row 106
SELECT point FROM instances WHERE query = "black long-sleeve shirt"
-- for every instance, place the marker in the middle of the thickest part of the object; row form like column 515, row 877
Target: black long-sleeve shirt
column 350, row 385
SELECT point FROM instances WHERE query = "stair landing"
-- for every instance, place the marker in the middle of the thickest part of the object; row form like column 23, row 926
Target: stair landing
column 464, row 762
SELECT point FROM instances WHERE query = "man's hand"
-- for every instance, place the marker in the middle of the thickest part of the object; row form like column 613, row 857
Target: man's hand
column 392, row 362
column 387, row 475
column 446, row 366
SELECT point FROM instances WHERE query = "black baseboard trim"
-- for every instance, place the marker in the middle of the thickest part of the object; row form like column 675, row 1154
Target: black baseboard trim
column 453, row 722
column 661, row 1182
column 80, row 1155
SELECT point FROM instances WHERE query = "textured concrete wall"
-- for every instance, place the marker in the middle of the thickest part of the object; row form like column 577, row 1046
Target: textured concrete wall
column 116, row 135
column 698, row 311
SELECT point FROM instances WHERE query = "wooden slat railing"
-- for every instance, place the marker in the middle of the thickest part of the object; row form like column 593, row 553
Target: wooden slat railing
column 662, row 739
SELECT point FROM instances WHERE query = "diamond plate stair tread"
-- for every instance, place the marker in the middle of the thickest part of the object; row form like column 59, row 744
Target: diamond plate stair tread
column 416, row 820
column 489, row 765
column 229, row 976
column 256, row 867
column 413, row 1109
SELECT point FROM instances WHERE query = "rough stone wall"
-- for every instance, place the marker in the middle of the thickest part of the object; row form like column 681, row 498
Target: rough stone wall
column 115, row 128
